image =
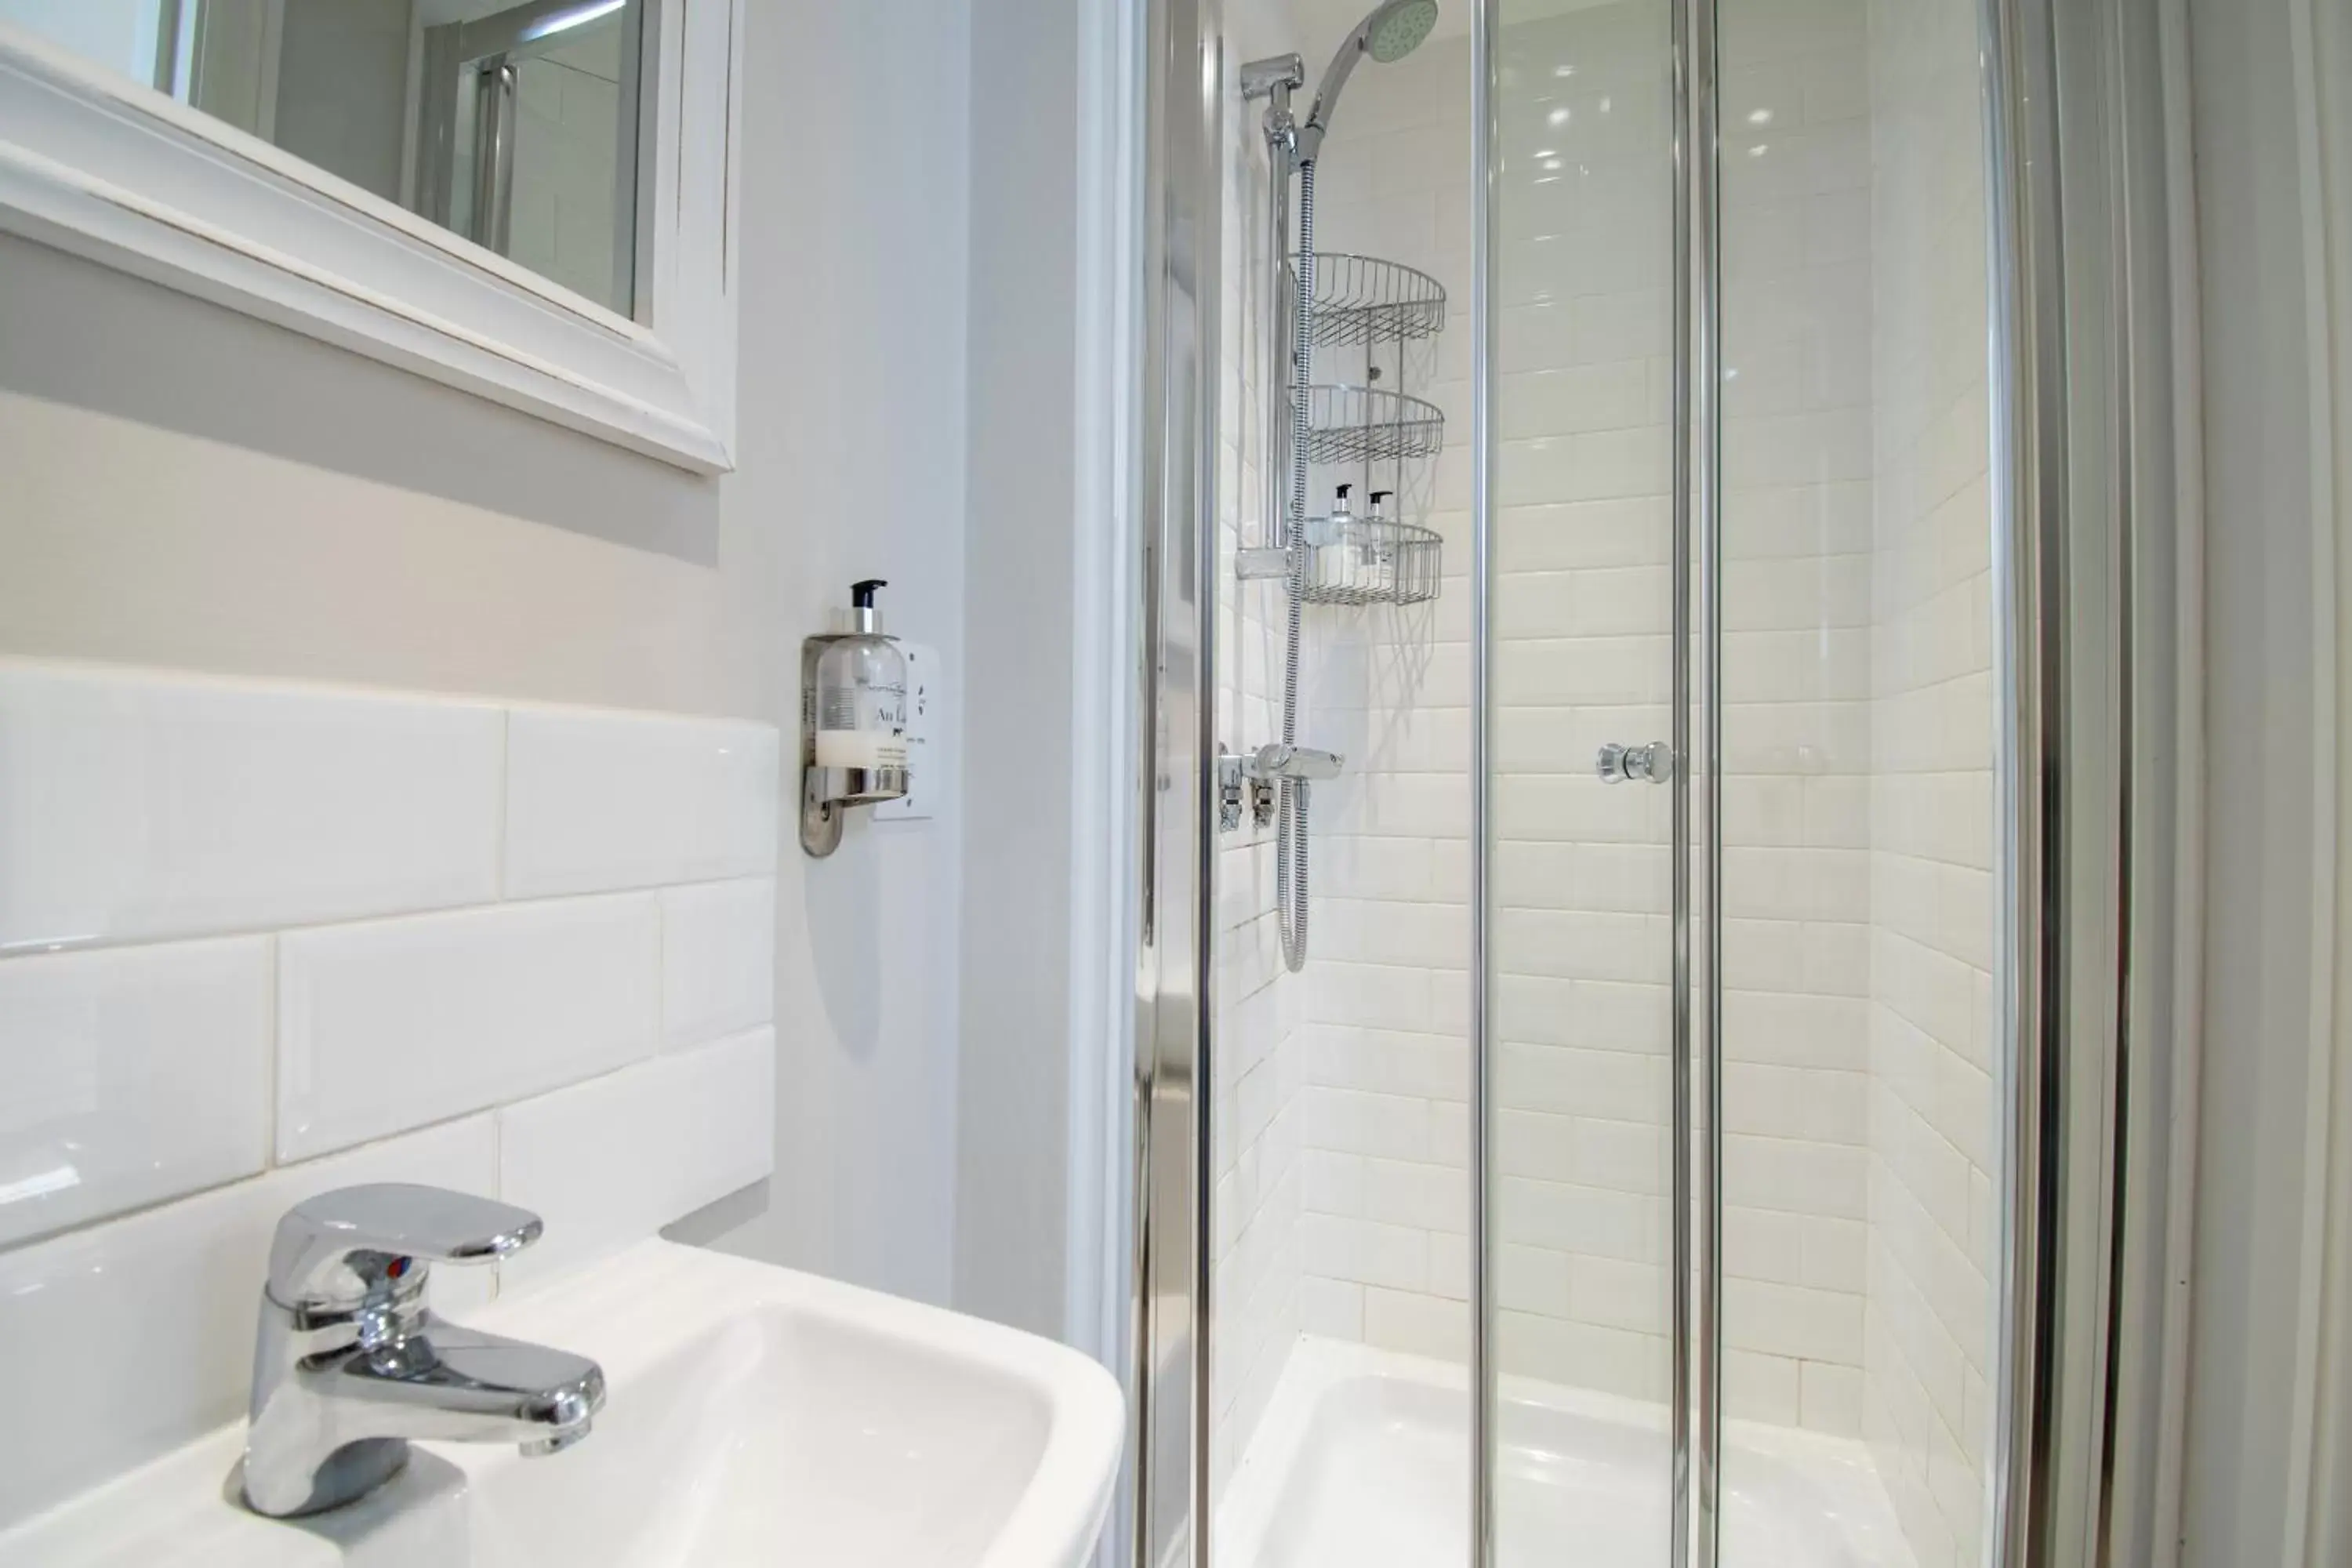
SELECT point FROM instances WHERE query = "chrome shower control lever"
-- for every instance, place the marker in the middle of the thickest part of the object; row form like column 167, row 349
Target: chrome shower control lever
column 1653, row 764
column 1281, row 761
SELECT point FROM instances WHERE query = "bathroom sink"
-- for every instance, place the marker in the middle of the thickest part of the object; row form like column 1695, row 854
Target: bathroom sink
column 754, row 1416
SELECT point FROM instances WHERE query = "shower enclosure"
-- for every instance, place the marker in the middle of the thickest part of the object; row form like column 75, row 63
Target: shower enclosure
column 1741, row 744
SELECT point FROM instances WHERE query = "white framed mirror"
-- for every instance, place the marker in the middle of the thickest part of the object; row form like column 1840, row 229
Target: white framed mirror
column 528, row 199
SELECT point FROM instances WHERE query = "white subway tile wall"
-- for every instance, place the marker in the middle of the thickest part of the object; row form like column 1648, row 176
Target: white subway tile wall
column 310, row 881
column 1927, row 1333
column 612, row 1160
column 1384, row 1238
column 1797, row 608
column 139, row 810
column 1255, row 1071
column 563, row 215
column 597, row 800
column 384, row 1024
column 121, row 1341
column 719, row 959
column 1857, row 742
column 128, row 1075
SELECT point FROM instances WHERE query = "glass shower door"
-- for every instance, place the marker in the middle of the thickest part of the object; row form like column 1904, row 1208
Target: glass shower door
column 1785, row 460
column 1858, row 1062
column 1582, row 999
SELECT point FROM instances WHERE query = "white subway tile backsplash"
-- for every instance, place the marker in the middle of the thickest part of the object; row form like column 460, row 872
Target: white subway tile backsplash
column 136, row 806
column 388, row 1025
column 359, row 838
column 717, row 959
column 160, row 1306
column 598, row 800
column 612, row 1161
column 129, row 1077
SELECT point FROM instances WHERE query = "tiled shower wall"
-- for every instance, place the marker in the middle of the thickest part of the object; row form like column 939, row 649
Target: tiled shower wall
column 1256, row 1067
column 1857, row 787
column 258, row 940
column 1584, row 659
column 1384, row 1240
column 1927, row 1347
column 1796, row 609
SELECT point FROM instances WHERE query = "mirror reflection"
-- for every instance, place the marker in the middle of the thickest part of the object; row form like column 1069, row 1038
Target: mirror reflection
column 517, row 126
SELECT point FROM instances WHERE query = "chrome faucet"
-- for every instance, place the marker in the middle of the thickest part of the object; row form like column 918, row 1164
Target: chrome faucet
column 347, row 1366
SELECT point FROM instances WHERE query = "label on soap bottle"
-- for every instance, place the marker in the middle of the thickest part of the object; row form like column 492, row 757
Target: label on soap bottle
column 861, row 749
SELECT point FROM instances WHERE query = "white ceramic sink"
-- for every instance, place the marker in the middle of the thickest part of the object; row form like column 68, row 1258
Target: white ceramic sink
column 754, row 1417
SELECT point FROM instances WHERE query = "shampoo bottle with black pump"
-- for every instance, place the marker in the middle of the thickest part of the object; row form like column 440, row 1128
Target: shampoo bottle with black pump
column 861, row 697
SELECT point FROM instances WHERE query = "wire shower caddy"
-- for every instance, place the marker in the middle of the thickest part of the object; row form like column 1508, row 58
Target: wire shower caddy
column 1361, row 300
column 1364, row 303
column 1371, row 425
column 1370, row 561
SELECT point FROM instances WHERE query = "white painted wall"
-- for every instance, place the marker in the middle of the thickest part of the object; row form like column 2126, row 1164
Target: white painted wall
column 1043, row 1144
column 852, row 464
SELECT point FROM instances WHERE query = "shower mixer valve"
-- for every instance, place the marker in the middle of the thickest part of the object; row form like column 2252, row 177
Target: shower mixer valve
column 1247, row 780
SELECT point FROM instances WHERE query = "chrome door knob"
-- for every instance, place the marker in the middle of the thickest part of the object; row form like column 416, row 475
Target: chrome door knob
column 1653, row 764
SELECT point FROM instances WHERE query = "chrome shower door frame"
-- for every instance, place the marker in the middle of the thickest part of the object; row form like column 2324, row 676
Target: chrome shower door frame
column 1695, row 1253
column 1176, row 782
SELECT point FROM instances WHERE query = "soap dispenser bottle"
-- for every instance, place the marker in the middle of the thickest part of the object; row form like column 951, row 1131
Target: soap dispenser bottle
column 861, row 702
column 1342, row 519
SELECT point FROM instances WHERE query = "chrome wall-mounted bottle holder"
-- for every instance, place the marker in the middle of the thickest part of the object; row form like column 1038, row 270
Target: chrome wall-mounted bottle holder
column 828, row 792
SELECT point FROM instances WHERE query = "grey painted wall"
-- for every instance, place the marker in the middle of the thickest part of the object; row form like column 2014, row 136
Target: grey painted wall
column 1013, row 1130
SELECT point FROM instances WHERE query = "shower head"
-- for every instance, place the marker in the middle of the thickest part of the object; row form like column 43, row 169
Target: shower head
column 1397, row 28
column 1393, row 30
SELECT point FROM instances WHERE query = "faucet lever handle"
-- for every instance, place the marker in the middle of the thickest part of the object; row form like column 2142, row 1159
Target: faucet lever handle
column 342, row 1248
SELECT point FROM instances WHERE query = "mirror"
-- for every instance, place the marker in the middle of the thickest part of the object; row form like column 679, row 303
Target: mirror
column 517, row 126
